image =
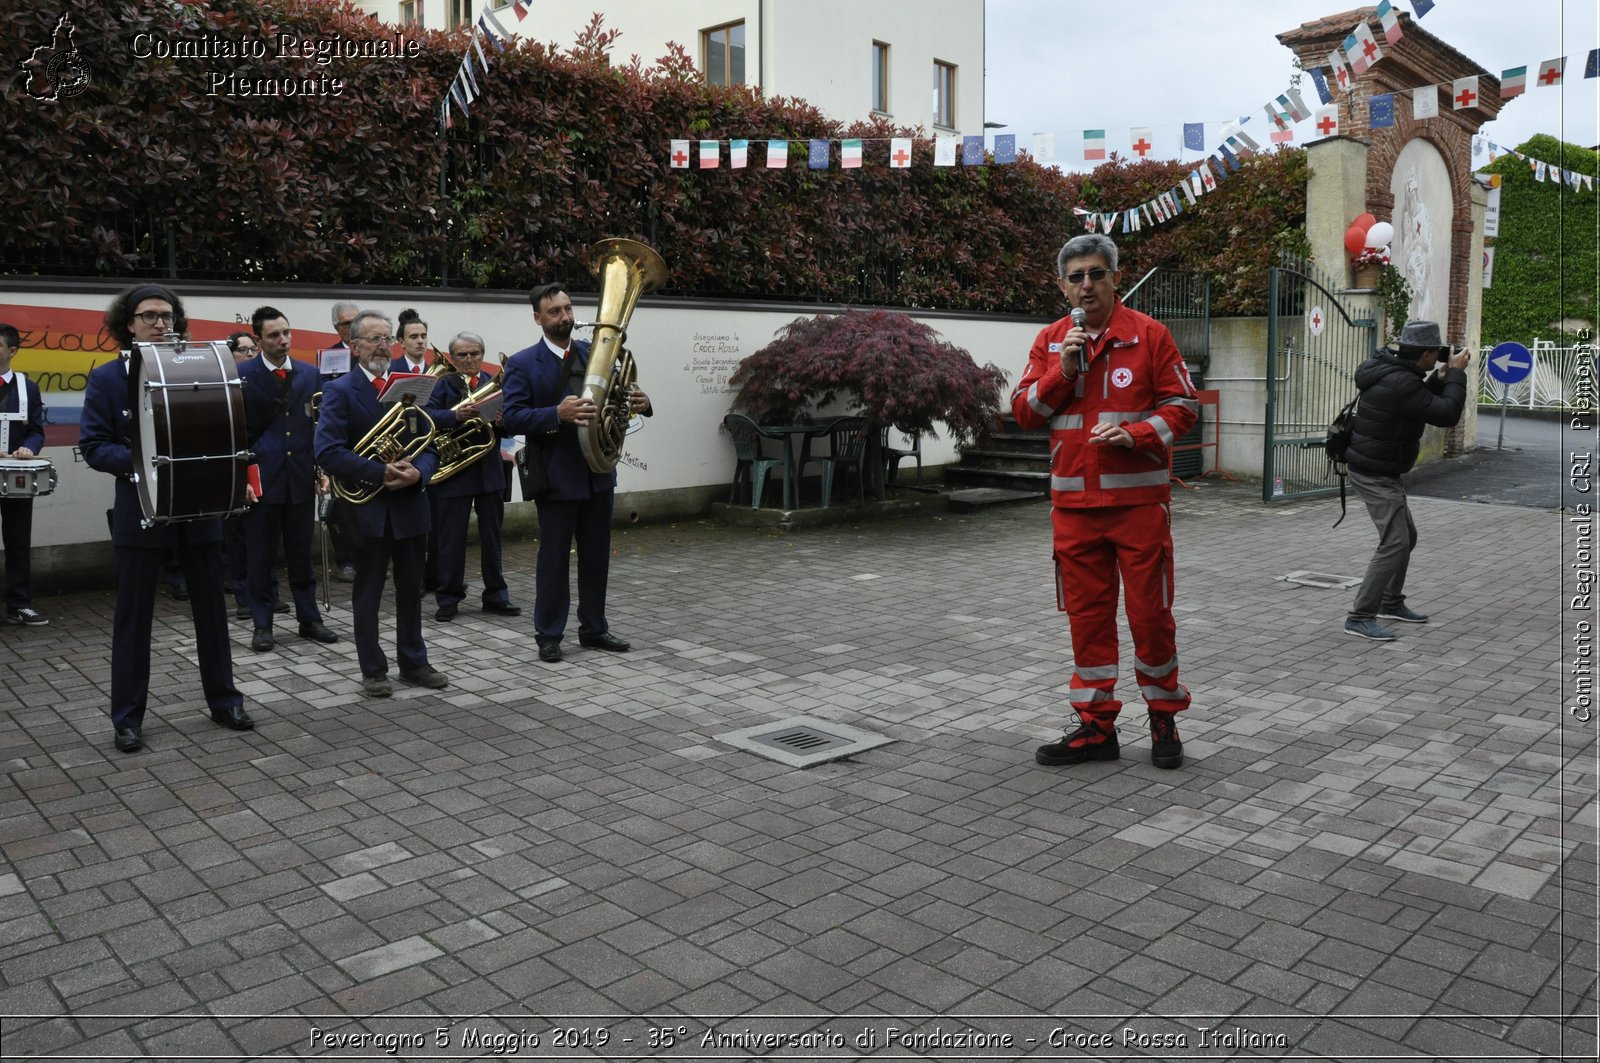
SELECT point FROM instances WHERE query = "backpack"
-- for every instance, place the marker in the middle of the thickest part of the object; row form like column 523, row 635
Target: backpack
column 1336, row 445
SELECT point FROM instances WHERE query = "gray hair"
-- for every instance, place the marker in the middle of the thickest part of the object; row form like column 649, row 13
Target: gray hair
column 467, row 337
column 1087, row 244
column 355, row 324
column 341, row 306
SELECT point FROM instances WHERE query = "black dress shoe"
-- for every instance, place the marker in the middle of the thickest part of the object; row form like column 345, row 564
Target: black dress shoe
column 234, row 718
column 604, row 641
column 316, row 629
column 426, row 676
column 128, row 739
column 261, row 641
column 283, row 608
column 550, row 652
column 345, row 573
column 503, row 608
column 180, row 593
column 446, row 612
column 241, row 612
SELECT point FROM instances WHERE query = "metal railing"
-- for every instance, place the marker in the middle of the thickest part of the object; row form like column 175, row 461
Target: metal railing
column 1563, row 378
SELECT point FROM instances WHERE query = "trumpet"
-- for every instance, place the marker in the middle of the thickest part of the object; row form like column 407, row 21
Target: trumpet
column 401, row 434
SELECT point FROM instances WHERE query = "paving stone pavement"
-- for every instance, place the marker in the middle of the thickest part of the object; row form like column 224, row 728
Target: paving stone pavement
column 1372, row 850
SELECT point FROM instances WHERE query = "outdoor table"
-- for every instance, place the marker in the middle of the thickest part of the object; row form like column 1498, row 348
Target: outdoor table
column 791, row 466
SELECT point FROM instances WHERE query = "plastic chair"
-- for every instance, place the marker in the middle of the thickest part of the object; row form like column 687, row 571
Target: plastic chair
column 893, row 456
column 747, row 446
column 847, row 446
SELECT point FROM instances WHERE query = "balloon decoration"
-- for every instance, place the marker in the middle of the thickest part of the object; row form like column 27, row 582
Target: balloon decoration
column 1368, row 239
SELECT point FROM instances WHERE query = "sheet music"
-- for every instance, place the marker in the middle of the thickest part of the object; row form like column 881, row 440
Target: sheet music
column 489, row 408
column 417, row 385
column 333, row 361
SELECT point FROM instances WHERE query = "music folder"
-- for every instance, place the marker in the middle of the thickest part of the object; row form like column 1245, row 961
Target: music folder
column 333, row 361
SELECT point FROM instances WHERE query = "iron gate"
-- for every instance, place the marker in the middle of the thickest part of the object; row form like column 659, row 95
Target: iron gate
column 1182, row 302
column 1313, row 348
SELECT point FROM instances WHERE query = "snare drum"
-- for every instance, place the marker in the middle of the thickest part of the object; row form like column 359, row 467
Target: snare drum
column 26, row 477
column 190, row 446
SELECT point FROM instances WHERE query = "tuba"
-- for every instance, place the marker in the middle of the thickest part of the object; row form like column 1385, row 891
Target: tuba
column 469, row 440
column 626, row 269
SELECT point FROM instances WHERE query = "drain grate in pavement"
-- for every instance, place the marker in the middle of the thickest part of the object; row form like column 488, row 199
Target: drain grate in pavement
column 1324, row 580
column 803, row 742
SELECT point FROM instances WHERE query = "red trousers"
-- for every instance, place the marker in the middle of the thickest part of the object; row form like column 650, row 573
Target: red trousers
column 1095, row 549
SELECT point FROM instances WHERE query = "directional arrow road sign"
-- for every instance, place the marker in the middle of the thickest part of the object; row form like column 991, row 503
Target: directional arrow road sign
column 1510, row 363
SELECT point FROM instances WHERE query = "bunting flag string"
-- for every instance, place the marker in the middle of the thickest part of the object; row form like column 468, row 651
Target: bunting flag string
column 465, row 89
column 1361, row 50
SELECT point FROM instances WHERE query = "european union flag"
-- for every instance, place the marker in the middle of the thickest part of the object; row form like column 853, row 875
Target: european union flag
column 1219, row 166
column 1318, row 79
column 1005, row 148
column 1592, row 67
column 1194, row 136
column 1228, row 157
column 972, row 151
column 1380, row 111
column 1421, row 7
column 818, row 159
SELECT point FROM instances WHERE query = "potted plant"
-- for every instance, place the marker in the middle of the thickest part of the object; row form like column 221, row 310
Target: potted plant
column 895, row 369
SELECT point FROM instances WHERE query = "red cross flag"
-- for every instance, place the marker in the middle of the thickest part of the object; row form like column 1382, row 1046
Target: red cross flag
column 1362, row 47
column 1142, row 141
column 900, row 153
column 1327, row 124
column 1550, row 72
column 680, row 154
column 1464, row 92
column 1341, row 73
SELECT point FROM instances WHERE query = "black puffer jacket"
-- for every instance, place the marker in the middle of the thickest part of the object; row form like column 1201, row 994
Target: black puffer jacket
column 1395, row 405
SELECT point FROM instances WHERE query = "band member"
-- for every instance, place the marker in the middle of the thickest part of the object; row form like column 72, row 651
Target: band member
column 413, row 344
column 147, row 313
column 236, row 576
column 277, row 412
column 543, row 399
column 21, row 436
column 394, row 524
column 413, row 358
column 341, row 528
column 481, row 486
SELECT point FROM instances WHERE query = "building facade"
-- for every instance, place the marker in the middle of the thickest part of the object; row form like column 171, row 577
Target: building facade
column 915, row 64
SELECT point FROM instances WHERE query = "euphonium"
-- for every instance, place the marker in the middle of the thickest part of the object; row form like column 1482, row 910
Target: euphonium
column 469, row 440
column 401, row 434
column 626, row 269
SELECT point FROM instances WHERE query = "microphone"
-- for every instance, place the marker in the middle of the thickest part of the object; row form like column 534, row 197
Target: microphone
column 1078, row 319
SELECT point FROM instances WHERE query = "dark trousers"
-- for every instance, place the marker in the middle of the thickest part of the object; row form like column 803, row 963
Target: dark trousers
column 589, row 522
column 138, row 572
column 372, row 569
column 430, row 564
column 1384, row 587
column 292, row 523
column 236, row 574
column 451, row 535
column 16, row 533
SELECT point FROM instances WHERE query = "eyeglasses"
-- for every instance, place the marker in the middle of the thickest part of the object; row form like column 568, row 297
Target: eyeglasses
column 1095, row 276
column 156, row 317
column 242, row 349
column 381, row 341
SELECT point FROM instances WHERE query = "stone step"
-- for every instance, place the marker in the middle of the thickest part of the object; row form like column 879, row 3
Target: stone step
column 961, row 476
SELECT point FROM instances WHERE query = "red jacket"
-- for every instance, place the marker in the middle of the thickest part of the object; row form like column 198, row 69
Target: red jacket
column 1136, row 378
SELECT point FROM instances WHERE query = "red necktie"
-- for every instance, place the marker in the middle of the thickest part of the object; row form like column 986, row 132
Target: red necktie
column 377, row 383
column 280, row 373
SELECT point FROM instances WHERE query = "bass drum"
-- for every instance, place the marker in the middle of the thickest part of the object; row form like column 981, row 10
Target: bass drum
column 190, row 445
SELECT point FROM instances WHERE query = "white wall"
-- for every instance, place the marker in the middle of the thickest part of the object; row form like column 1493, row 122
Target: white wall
column 685, row 356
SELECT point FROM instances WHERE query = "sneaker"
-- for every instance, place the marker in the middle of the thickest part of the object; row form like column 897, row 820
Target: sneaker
column 26, row 615
column 1166, row 748
column 1368, row 628
column 1088, row 742
column 426, row 676
column 376, row 686
column 1403, row 613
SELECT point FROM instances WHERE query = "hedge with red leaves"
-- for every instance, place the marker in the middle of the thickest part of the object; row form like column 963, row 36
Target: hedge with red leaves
column 145, row 173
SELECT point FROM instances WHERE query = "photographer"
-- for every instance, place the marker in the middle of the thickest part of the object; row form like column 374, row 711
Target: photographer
column 1398, row 397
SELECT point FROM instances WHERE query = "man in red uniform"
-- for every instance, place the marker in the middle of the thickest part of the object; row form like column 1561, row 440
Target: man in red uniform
column 1116, row 395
